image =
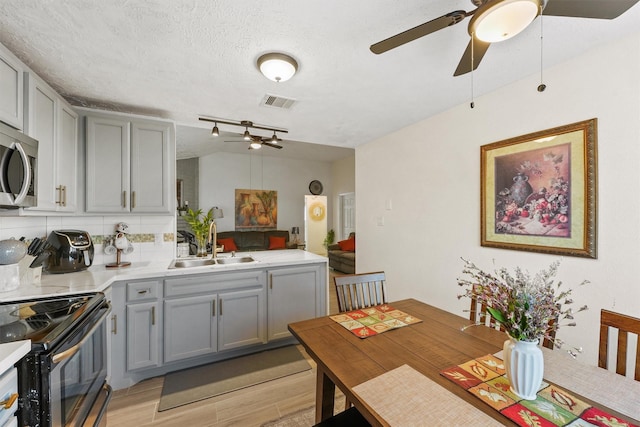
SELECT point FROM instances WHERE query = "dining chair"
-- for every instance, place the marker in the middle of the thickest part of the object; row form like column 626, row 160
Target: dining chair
column 356, row 291
column 347, row 418
column 478, row 314
column 625, row 325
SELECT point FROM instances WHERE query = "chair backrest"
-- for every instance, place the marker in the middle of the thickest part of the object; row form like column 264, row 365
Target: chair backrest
column 479, row 315
column 356, row 291
column 626, row 325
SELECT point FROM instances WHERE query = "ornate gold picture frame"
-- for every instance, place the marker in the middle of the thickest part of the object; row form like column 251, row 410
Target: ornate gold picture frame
column 538, row 191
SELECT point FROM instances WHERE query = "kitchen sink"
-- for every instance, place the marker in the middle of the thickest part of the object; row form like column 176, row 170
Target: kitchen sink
column 235, row 260
column 186, row 263
column 201, row 262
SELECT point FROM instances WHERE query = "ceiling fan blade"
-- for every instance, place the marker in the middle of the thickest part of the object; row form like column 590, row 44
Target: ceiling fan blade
column 419, row 31
column 269, row 144
column 479, row 49
column 600, row 9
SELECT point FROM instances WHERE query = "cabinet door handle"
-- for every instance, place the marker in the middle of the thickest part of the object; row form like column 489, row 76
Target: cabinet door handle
column 8, row 403
column 220, row 306
column 133, row 199
column 213, row 308
column 59, row 190
column 153, row 315
column 64, row 195
column 270, row 281
column 124, row 199
column 143, row 291
column 114, row 323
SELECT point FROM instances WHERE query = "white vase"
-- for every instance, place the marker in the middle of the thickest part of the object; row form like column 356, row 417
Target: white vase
column 524, row 364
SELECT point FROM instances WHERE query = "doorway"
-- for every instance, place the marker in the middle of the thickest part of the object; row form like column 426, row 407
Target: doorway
column 347, row 203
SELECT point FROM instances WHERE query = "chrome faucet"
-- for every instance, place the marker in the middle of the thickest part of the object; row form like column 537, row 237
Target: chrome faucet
column 213, row 231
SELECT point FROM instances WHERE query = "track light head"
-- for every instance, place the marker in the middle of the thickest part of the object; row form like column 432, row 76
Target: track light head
column 246, row 135
column 215, row 131
column 274, row 138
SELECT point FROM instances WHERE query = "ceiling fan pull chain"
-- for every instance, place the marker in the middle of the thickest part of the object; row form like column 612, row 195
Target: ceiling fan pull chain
column 541, row 86
column 472, row 59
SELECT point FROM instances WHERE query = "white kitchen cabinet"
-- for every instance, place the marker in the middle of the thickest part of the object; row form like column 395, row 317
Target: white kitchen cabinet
column 294, row 294
column 214, row 312
column 129, row 165
column 11, row 89
column 54, row 124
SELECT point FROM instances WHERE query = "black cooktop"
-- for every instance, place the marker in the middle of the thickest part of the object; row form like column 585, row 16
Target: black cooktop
column 43, row 320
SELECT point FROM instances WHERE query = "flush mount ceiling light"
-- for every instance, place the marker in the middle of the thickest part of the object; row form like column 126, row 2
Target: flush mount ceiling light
column 500, row 20
column 277, row 66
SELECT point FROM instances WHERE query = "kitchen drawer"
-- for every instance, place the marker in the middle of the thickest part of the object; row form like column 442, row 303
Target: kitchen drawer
column 143, row 291
column 8, row 388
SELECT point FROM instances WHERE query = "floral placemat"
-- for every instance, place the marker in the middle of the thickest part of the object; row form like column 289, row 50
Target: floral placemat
column 485, row 378
column 374, row 320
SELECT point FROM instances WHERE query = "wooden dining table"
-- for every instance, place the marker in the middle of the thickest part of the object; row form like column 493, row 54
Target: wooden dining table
column 428, row 347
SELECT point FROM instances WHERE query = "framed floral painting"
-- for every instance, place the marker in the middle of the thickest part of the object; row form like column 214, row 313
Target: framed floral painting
column 538, row 191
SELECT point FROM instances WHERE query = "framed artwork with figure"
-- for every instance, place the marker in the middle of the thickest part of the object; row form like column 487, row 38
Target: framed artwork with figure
column 538, row 191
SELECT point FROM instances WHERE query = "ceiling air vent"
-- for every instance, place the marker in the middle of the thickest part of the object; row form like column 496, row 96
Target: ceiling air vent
column 277, row 101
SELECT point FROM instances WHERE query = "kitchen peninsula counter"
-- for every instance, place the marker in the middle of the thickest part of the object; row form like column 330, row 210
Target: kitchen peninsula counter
column 98, row 278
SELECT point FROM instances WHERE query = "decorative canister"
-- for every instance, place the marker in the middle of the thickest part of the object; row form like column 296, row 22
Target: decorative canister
column 12, row 251
column 520, row 189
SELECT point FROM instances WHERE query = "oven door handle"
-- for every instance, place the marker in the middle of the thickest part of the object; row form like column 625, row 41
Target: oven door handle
column 73, row 350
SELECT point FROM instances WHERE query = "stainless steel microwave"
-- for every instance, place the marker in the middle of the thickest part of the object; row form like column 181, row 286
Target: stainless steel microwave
column 18, row 161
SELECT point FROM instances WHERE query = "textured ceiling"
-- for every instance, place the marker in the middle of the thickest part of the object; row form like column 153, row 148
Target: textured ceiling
column 182, row 59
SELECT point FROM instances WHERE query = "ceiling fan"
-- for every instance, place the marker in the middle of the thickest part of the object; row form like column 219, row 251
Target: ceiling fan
column 255, row 141
column 497, row 20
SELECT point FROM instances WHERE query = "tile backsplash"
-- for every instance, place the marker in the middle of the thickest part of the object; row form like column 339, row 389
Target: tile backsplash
column 152, row 237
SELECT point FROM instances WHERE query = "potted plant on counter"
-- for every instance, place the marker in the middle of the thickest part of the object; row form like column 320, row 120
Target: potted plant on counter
column 199, row 224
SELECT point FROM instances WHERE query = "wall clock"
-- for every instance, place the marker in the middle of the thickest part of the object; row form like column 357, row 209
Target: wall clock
column 315, row 187
column 317, row 211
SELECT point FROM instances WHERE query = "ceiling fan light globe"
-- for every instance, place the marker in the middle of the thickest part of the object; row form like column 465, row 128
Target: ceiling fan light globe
column 277, row 66
column 500, row 20
column 255, row 145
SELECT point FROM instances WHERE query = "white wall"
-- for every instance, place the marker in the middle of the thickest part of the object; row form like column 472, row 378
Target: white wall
column 222, row 173
column 431, row 179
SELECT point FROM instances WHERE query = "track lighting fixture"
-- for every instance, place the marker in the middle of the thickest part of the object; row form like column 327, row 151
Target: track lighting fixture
column 256, row 141
column 215, row 131
column 274, row 138
column 246, row 135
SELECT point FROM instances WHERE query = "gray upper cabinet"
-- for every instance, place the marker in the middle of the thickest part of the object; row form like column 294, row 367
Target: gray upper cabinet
column 129, row 165
column 51, row 121
column 11, row 89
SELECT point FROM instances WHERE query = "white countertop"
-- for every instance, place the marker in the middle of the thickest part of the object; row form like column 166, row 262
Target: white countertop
column 97, row 278
column 11, row 352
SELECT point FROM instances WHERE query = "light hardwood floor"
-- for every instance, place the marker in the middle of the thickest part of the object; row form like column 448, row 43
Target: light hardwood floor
column 137, row 406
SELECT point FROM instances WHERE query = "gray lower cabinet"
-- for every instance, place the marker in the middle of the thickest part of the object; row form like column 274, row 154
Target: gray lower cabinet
column 143, row 328
column 228, row 309
column 163, row 324
column 295, row 293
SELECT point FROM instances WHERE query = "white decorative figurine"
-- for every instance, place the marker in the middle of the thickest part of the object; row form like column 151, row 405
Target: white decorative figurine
column 121, row 244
